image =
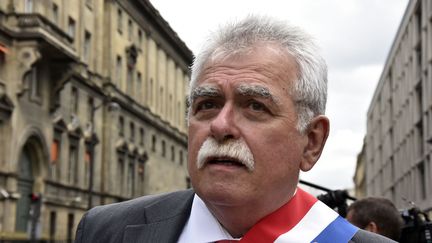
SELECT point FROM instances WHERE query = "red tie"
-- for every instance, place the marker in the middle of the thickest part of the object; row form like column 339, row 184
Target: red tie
column 226, row 241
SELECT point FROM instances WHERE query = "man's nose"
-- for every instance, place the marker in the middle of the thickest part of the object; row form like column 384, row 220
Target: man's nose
column 224, row 126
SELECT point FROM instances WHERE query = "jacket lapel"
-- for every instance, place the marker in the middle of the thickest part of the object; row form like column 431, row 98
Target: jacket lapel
column 164, row 221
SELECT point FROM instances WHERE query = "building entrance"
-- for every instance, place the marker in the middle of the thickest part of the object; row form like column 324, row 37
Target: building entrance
column 25, row 188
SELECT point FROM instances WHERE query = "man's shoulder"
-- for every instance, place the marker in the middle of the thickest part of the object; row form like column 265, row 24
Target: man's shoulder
column 107, row 223
column 363, row 236
column 168, row 203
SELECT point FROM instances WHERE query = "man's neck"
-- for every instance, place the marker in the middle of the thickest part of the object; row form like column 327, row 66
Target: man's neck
column 238, row 220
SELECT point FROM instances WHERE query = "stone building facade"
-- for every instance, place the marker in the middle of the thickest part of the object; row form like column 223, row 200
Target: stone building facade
column 398, row 143
column 92, row 110
column 359, row 177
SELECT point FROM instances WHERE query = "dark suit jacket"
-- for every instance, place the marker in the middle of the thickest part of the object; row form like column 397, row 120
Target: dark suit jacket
column 159, row 218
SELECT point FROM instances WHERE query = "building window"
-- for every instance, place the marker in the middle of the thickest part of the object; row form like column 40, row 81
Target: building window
column 131, row 177
column 55, row 147
column 150, row 90
column 130, row 29
column 71, row 28
column 55, row 13
column 121, row 126
column 154, row 143
column 418, row 64
column 163, row 148
column 55, row 156
column 28, row 6
column 181, row 157
column 74, row 100
column 161, row 100
column 141, row 171
column 172, row 153
column 36, row 89
column 73, row 162
column 58, row 139
column 118, row 69
column 70, row 227
column 141, row 141
column 419, row 139
column 130, row 81
column 119, row 20
column 422, row 180
column 418, row 21
column 132, row 131
column 392, row 170
column 87, row 160
column 121, row 165
column 140, row 38
column 87, row 46
column 90, row 107
column 178, row 113
column 31, row 80
column 52, row 226
column 139, row 87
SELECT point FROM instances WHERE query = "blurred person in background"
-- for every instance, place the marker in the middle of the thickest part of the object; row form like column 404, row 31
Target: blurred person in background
column 378, row 215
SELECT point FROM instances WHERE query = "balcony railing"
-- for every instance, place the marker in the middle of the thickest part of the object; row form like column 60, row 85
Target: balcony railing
column 26, row 23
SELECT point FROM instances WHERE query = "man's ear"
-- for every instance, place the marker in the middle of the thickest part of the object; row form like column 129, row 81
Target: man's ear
column 372, row 227
column 316, row 133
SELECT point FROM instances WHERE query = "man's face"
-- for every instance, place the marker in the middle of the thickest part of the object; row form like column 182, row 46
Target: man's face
column 245, row 99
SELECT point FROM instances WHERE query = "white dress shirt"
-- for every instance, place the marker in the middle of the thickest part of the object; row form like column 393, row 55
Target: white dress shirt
column 202, row 226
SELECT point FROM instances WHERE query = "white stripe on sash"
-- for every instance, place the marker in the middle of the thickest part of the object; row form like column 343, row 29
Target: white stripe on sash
column 310, row 226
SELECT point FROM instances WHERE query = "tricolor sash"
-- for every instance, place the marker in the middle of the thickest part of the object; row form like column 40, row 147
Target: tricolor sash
column 303, row 219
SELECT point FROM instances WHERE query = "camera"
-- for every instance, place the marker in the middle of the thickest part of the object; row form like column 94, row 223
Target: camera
column 336, row 200
column 417, row 228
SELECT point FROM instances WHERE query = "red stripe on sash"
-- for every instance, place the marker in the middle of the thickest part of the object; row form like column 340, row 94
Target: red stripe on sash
column 269, row 228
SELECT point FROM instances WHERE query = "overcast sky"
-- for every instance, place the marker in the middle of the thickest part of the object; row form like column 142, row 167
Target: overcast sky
column 355, row 37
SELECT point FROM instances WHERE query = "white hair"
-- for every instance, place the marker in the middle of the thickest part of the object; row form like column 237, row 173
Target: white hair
column 309, row 91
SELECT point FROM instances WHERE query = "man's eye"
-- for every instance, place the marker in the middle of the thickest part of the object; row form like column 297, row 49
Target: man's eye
column 205, row 105
column 256, row 106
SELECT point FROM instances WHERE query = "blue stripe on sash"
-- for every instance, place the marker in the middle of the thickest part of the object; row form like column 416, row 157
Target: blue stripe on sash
column 338, row 231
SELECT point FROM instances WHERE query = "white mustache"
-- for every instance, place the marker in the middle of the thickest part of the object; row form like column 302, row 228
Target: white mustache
column 235, row 149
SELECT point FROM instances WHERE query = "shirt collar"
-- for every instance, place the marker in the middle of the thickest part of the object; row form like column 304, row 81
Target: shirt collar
column 202, row 226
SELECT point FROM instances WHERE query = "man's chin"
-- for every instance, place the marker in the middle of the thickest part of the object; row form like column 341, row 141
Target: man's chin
column 222, row 198
column 222, row 192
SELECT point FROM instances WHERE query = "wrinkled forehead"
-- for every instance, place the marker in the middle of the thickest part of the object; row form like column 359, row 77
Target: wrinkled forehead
column 263, row 58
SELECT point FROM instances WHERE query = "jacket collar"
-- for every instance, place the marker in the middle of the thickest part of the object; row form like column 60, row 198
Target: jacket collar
column 164, row 219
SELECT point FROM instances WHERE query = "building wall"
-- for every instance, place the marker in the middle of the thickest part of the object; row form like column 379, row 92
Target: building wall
column 359, row 175
column 92, row 109
column 399, row 121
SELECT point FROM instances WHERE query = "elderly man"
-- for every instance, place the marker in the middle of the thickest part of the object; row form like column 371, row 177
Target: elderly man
column 256, row 118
